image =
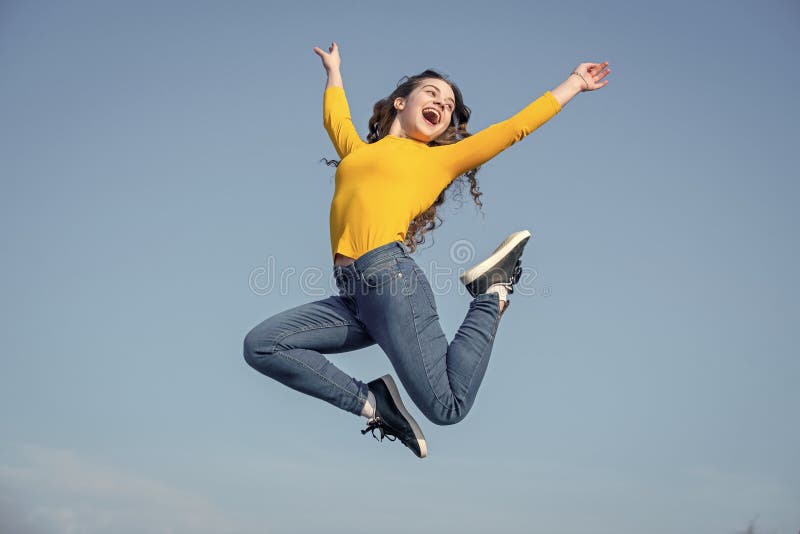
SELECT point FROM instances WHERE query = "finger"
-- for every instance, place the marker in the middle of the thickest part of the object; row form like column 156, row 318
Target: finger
column 600, row 71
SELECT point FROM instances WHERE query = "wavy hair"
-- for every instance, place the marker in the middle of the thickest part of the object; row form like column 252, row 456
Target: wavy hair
column 383, row 115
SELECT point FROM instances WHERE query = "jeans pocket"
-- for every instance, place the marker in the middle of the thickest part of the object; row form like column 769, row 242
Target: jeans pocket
column 381, row 273
column 421, row 285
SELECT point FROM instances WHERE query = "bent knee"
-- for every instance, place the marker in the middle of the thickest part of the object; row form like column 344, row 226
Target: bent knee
column 256, row 350
column 447, row 416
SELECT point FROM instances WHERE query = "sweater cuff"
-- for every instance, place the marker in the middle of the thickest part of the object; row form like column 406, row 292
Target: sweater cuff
column 553, row 100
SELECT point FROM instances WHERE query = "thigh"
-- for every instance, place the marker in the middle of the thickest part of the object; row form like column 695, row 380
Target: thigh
column 399, row 311
column 330, row 325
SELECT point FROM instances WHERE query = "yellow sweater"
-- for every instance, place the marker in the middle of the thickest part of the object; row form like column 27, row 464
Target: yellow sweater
column 382, row 186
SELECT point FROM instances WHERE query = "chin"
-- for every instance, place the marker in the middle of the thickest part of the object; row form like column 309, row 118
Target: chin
column 422, row 136
column 424, row 131
column 428, row 136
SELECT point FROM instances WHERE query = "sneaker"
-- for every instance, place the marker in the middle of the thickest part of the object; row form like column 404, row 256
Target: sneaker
column 391, row 418
column 502, row 267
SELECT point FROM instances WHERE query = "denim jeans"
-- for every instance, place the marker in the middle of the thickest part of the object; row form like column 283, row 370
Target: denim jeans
column 384, row 298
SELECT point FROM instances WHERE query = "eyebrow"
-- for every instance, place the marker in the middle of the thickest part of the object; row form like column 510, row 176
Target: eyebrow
column 437, row 90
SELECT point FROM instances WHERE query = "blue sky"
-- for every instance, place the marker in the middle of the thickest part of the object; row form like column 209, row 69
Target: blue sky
column 157, row 158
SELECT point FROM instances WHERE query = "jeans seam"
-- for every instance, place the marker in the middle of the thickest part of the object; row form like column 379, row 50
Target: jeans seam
column 496, row 321
column 301, row 363
column 491, row 340
column 320, row 375
column 284, row 335
column 417, row 275
column 422, row 357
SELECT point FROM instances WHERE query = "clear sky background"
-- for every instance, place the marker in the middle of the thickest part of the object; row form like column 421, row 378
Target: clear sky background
column 159, row 161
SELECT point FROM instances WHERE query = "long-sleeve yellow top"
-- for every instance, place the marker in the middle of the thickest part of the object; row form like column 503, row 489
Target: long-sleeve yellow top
column 382, row 186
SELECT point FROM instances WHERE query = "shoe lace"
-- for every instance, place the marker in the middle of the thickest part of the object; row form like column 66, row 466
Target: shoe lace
column 515, row 275
column 378, row 424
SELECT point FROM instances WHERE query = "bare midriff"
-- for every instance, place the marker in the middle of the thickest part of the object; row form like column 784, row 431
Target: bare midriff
column 342, row 260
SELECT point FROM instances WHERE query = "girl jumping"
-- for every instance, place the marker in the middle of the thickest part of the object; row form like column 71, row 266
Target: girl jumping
column 385, row 199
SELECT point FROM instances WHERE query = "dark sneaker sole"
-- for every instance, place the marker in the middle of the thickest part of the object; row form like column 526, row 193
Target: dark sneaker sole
column 510, row 243
column 395, row 393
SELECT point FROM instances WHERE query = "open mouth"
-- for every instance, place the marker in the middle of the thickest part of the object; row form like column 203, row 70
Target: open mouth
column 431, row 116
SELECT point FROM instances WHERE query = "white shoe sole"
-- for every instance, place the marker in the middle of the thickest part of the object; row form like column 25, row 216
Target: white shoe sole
column 505, row 247
column 395, row 393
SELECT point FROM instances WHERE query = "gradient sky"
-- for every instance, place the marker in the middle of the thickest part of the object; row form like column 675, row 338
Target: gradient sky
column 159, row 161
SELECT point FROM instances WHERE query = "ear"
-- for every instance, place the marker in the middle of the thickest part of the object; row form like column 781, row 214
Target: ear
column 399, row 103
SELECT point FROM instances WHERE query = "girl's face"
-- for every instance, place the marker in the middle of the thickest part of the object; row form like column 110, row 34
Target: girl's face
column 425, row 114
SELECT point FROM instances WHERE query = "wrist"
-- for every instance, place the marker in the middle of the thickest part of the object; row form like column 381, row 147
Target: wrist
column 568, row 89
column 577, row 81
column 334, row 78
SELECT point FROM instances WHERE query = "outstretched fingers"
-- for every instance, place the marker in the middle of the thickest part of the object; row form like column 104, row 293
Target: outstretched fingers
column 598, row 71
column 330, row 59
column 333, row 51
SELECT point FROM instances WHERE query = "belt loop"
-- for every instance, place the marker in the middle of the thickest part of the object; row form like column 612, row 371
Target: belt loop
column 401, row 246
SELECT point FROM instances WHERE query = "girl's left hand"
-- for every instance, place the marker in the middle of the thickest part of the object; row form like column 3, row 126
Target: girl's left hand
column 592, row 75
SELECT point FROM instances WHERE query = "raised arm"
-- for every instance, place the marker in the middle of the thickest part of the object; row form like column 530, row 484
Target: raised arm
column 486, row 144
column 335, row 110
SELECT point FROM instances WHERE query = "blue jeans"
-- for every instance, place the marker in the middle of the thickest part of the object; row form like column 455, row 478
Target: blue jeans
column 384, row 298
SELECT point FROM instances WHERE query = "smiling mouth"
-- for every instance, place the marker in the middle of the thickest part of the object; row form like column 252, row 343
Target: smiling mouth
column 431, row 116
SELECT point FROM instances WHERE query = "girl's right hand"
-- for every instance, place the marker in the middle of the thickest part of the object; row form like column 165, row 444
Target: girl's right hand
column 592, row 75
column 330, row 60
